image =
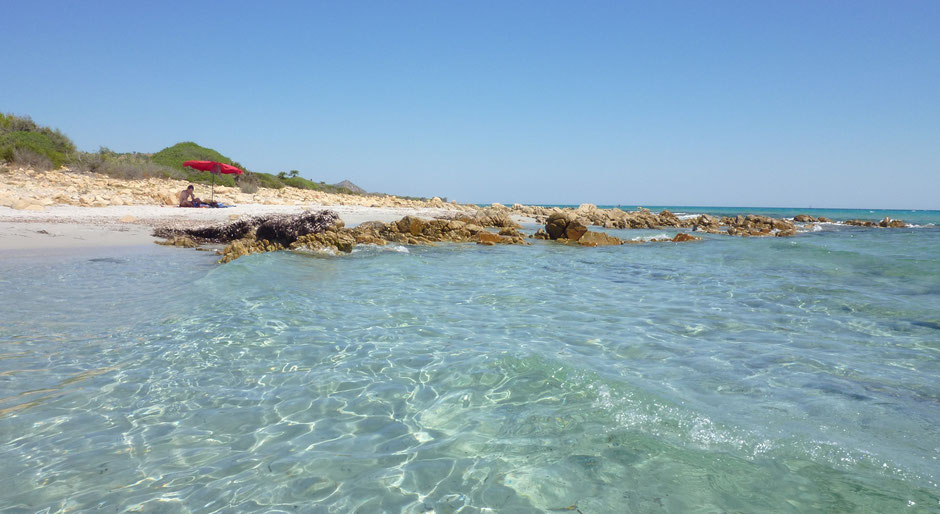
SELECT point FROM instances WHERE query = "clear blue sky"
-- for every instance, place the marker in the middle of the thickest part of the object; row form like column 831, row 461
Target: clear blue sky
column 746, row 103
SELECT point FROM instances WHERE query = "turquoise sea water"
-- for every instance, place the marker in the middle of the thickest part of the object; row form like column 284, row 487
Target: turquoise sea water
column 729, row 375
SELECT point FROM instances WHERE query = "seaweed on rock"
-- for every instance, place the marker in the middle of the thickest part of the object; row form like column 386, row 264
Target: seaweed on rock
column 287, row 229
column 279, row 228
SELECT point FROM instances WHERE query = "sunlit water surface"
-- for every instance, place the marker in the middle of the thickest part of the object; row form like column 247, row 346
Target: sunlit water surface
column 752, row 375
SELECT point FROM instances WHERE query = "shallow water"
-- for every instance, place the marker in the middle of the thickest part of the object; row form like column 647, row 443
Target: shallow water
column 752, row 375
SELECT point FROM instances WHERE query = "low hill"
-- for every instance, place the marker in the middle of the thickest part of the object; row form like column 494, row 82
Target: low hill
column 350, row 186
column 174, row 156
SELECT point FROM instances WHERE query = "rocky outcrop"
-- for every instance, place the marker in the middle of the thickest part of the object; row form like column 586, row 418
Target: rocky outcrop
column 325, row 231
column 682, row 237
column 497, row 216
column 568, row 227
column 591, row 215
column 565, row 226
column 885, row 223
column 754, row 225
column 706, row 223
column 598, row 239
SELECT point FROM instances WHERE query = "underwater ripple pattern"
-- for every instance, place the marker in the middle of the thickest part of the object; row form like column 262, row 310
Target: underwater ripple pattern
column 762, row 375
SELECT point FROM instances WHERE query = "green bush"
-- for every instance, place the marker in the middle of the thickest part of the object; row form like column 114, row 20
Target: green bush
column 269, row 181
column 28, row 144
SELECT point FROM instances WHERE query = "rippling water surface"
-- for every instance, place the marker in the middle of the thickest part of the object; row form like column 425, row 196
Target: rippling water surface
column 752, row 375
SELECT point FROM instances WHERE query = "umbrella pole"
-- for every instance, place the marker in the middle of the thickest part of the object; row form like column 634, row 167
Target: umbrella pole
column 212, row 199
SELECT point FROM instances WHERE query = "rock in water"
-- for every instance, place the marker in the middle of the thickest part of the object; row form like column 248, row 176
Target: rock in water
column 598, row 239
column 682, row 237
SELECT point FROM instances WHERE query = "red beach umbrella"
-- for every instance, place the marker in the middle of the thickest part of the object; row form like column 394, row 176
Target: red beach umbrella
column 216, row 168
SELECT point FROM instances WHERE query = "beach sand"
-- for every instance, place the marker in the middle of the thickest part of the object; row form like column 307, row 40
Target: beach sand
column 66, row 226
column 63, row 209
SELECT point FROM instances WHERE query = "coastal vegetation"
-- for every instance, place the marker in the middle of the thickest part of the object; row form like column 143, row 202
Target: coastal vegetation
column 25, row 143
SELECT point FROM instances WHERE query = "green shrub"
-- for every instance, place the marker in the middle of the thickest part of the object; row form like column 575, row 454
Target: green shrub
column 27, row 143
column 20, row 135
column 269, row 181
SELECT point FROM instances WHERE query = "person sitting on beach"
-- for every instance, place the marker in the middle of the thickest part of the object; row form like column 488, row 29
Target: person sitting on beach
column 188, row 198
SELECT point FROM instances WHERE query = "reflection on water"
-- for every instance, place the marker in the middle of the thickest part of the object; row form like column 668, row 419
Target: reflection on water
column 731, row 375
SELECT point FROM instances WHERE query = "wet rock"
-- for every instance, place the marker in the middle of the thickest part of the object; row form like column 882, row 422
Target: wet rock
column 247, row 246
column 556, row 224
column 590, row 238
column 706, row 223
column 804, row 218
column 540, row 234
column 890, row 223
column 575, row 230
column 669, row 219
column 338, row 241
column 682, row 237
column 181, row 241
column 753, row 225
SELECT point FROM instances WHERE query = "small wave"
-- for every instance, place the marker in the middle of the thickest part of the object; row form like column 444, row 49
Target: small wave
column 379, row 248
column 319, row 252
column 657, row 237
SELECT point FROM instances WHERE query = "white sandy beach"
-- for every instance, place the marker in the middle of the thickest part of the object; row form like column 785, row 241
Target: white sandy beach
column 67, row 226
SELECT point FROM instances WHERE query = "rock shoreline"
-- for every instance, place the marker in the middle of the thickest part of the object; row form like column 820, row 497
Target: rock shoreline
column 323, row 230
column 749, row 225
column 31, row 190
